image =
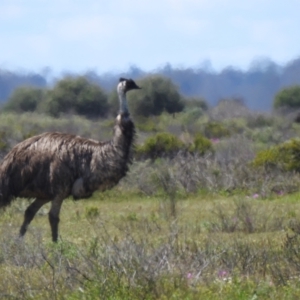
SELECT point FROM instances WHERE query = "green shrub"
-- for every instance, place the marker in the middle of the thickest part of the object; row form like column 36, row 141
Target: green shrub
column 269, row 158
column 24, row 99
column 194, row 102
column 288, row 97
column 146, row 124
column 236, row 125
column 77, row 95
column 201, row 144
column 259, row 121
column 158, row 94
column 191, row 115
column 291, row 153
column 159, row 145
column 285, row 156
column 215, row 130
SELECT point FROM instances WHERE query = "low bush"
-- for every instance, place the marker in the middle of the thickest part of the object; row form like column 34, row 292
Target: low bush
column 215, row 130
column 195, row 102
column 25, row 99
column 260, row 120
column 160, row 145
column 77, row 95
column 191, row 115
column 201, row 145
column 146, row 124
column 285, row 156
column 288, row 97
column 269, row 158
column 158, row 94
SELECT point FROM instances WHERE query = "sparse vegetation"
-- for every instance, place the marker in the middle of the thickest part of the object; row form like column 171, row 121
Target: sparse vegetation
column 130, row 249
column 210, row 209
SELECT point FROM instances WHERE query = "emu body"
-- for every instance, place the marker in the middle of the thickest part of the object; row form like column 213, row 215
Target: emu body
column 52, row 166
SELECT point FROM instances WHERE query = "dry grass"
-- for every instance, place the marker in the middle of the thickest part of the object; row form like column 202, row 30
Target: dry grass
column 129, row 246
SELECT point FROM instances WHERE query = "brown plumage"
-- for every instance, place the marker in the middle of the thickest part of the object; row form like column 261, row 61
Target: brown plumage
column 53, row 166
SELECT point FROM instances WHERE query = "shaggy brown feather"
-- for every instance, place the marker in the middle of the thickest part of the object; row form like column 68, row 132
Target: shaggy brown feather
column 49, row 164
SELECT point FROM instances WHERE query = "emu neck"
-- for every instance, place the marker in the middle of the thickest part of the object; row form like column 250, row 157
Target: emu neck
column 124, row 128
column 124, row 133
column 123, row 103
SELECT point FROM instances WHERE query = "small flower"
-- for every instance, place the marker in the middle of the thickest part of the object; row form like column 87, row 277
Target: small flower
column 214, row 140
column 255, row 196
column 222, row 274
column 189, row 275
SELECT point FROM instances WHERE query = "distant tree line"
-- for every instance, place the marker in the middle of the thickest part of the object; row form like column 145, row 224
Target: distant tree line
column 257, row 86
column 82, row 96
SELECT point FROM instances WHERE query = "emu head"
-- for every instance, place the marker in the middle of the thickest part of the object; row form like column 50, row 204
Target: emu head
column 126, row 85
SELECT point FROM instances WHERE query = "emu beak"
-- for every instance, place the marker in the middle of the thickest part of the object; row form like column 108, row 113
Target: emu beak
column 135, row 86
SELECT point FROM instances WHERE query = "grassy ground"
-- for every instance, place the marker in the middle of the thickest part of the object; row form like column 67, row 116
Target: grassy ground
column 122, row 245
column 158, row 235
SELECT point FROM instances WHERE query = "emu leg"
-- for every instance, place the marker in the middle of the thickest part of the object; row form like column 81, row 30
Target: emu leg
column 54, row 217
column 30, row 212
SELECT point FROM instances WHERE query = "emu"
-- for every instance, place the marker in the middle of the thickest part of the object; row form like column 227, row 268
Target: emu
column 52, row 166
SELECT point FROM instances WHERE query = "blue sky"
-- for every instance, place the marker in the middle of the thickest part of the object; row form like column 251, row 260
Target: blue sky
column 77, row 36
